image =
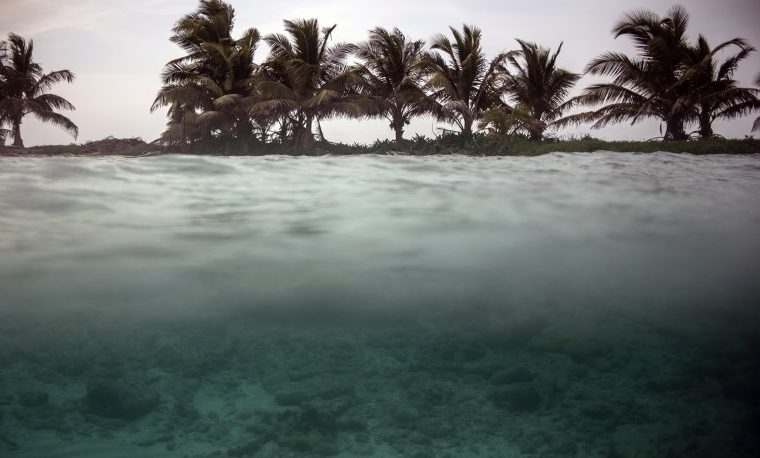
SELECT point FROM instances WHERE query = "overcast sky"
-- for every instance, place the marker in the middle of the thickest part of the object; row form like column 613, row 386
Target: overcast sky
column 117, row 48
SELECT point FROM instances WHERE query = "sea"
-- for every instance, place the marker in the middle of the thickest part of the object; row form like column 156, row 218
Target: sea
column 566, row 305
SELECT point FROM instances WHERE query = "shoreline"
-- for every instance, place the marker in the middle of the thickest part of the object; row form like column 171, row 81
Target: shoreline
column 480, row 146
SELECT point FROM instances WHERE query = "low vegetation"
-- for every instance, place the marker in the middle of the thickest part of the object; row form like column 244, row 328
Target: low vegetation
column 478, row 145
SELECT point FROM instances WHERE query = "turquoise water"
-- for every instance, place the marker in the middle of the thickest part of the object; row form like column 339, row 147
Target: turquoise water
column 568, row 305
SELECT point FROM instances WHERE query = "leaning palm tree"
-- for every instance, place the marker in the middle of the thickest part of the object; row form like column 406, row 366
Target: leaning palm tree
column 649, row 85
column 718, row 95
column 209, row 90
column 394, row 71
column 305, row 80
column 462, row 79
column 538, row 88
column 26, row 86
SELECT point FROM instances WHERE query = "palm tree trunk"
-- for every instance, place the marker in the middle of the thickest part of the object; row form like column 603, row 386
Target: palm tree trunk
column 467, row 128
column 674, row 129
column 17, row 140
column 283, row 130
column 244, row 134
column 306, row 140
column 705, row 126
column 397, row 124
column 537, row 126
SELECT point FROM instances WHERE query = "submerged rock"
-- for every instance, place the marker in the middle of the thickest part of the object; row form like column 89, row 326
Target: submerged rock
column 33, row 398
column 311, row 419
column 110, row 399
column 516, row 375
column 300, row 394
column 597, row 411
column 248, row 448
column 73, row 366
column 512, row 332
column 518, row 398
column 312, row 444
column 9, row 443
column 291, row 398
column 582, row 344
column 641, row 441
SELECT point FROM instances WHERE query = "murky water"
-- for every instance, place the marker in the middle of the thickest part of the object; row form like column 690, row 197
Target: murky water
column 579, row 305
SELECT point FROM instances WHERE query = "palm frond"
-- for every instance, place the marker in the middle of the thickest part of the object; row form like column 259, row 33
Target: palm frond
column 59, row 120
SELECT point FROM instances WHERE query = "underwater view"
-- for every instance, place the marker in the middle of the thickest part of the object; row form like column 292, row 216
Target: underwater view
column 566, row 305
column 588, row 305
column 429, row 229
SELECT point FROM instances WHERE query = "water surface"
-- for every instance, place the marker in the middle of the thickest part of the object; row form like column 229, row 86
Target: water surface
column 587, row 305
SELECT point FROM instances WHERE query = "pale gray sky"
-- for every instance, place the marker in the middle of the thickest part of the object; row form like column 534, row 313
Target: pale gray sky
column 117, row 49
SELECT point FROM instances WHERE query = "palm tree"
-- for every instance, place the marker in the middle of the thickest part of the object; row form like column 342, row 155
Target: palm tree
column 756, row 124
column 26, row 85
column 209, row 90
column 718, row 95
column 538, row 88
column 649, row 85
column 394, row 71
column 3, row 90
column 505, row 120
column 305, row 80
column 461, row 77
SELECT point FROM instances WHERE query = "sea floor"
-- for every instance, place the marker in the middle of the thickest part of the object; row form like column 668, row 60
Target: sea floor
column 500, row 383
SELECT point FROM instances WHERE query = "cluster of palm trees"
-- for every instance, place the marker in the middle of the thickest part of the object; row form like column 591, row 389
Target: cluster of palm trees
column 24, row 90
column 217, row 93
column 671, row 79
